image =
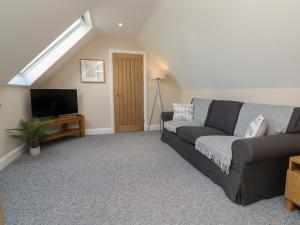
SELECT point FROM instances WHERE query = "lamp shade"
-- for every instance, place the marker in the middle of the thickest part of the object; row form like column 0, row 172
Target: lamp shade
column 158, row 75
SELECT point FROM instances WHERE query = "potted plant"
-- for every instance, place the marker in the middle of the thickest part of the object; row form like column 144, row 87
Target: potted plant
column 31, row 131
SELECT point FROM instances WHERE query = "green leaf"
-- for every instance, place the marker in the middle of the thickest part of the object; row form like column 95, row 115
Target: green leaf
column 32, row 131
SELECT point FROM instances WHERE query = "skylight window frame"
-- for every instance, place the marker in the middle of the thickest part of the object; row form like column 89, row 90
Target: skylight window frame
column 53, row 52
column 52, row 45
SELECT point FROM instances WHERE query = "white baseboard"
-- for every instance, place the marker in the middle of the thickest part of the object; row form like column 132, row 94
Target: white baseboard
column 12, row 156
column 99, row 131
column 153, row 127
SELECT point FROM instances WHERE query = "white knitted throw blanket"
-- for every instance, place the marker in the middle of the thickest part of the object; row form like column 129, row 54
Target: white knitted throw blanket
column 217, row 149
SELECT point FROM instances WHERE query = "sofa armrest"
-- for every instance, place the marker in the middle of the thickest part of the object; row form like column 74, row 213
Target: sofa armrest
column 264, row 148
column 166, row 116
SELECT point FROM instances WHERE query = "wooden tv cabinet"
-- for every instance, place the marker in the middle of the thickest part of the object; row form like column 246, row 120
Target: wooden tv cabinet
column 65, row 121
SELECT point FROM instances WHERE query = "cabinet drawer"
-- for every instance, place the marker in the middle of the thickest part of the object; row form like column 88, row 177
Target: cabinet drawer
column 292, row 191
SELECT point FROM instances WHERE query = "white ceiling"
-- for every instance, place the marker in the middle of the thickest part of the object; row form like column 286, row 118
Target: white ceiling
column 28, row 27
column 227, row 44
column 132, row 13
column 203, row 43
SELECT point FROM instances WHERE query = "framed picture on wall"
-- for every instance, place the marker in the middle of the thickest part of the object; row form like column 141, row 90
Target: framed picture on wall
column 92, row 71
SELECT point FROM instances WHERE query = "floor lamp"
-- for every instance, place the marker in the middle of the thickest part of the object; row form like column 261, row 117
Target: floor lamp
column 157, row 77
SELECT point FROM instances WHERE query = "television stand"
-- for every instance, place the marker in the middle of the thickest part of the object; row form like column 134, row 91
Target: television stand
column 65, row 121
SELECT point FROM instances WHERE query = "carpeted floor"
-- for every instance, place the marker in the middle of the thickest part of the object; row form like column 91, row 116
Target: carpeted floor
column 127, row 179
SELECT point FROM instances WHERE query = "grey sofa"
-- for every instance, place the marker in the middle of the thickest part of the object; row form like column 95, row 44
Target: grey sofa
column 258, row 165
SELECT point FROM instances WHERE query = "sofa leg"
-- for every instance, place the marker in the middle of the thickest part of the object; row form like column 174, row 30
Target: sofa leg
column 290, row 205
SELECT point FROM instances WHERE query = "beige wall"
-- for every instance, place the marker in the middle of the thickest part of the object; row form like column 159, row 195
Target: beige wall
column 14, row 106
column 282, row 96
column 170, row 91
column 94, row 99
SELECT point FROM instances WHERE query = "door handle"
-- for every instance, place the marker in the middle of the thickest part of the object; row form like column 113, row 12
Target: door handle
column 117, row 94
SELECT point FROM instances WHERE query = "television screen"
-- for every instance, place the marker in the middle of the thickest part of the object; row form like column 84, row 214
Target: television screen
column 53, row 102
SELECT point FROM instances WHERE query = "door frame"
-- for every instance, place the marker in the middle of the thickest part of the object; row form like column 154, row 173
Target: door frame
column 111, row 84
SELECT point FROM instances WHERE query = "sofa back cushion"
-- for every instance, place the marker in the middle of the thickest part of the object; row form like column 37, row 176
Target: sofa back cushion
column 201, row 107
column 294, row 124
column 277, row 117
column 223, row 115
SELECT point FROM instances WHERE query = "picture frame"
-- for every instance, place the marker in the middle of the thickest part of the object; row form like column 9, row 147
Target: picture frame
column 92, row 71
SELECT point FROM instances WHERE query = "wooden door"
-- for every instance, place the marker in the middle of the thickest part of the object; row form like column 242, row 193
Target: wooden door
column 128, row 92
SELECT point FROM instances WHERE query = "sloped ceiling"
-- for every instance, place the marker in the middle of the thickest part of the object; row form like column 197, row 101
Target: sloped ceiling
column 203, row 43
column 226, row 44
column 27, row 27
column 132, row 13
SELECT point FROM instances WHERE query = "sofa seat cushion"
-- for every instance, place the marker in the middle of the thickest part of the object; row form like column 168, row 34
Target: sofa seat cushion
column 190, row 134
column 218, row 149
column 223, row 115
column 172, row 125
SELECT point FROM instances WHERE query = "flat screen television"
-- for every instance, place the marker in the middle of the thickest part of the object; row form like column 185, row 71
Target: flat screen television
column 53, row 102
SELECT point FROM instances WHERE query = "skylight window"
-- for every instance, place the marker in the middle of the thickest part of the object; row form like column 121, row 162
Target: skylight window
column 50, row 55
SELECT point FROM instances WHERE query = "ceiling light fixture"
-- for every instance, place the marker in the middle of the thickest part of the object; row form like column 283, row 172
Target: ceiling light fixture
column 120, row 24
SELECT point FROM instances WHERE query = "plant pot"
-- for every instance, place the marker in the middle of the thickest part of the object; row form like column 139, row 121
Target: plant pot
column 35, row 151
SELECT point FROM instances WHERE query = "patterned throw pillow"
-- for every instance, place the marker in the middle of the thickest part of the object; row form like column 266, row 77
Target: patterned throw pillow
column 183, row 111
column 257, row 127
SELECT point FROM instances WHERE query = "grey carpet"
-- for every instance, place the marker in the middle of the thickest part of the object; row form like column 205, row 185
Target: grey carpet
column 127, row 179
